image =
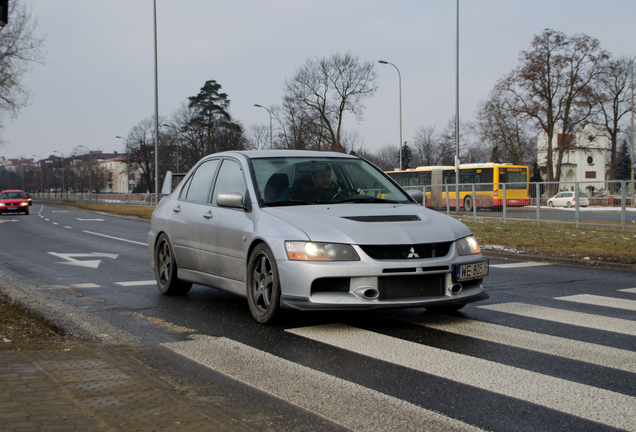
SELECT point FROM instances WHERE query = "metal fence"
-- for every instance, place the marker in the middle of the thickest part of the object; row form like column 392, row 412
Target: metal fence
column 609, row 203
column 144, row 199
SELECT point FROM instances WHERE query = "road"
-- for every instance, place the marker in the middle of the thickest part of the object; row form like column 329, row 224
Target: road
column 551, row 350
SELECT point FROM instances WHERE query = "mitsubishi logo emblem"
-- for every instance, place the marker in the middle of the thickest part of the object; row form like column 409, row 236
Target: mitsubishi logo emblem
column 412, row 254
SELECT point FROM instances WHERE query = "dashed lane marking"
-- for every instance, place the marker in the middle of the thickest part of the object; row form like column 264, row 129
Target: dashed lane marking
column 116, row 238
column 628, row 290
column 74, row 286
column 137, row 283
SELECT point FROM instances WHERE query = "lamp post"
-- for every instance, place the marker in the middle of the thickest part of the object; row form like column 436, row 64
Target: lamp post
column 41, row 173
column 632, row 166
column 270, row 124
column 90, row 174
column 457, row 162
column 127, row 166
column 154, row 5
column 400, row 89
column 55, row 151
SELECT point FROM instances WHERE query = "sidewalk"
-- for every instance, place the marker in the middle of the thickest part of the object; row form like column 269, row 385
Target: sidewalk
column 86, row 388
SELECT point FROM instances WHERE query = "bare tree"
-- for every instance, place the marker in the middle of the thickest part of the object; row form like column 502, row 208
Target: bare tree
column 552, row 86
column 324, row 90
column 257, row 136
column 612, row 85
column 427, row 146
column 448, row 143
column 500, row 127
column 140, row 147
column 386, row 158
column 20, row 51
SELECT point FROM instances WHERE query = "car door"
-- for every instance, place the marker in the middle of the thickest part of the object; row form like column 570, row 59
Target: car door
column 187, row 213
column 222, row 231
column 559, row 200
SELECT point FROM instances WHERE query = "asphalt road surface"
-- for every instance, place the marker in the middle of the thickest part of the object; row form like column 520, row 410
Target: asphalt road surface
column 553, row 348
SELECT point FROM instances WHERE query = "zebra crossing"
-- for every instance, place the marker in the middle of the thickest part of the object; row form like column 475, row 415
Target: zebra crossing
column 535, row 399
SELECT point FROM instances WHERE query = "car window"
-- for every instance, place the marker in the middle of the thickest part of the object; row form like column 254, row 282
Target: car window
column 201, row 184
column 12, row 195
column 229, row 180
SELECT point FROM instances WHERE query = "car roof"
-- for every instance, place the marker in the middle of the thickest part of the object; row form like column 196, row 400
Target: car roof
column 12, row 190
column 255, row 154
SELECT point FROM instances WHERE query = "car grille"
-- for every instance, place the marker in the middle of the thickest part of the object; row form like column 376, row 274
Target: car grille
column 399, row 287
column 400, row 252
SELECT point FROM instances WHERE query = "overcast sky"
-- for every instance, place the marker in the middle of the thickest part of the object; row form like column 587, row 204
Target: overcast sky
column 98, row 80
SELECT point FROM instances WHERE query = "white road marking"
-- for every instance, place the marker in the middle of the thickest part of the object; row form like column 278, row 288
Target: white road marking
column 629, row 290
column 137, row 283
column 61, row 211
column 70, row 258
column 55, row 223
column 115, row 238
column 74, row 286
column 603, row 406
column 90, row 220
column 337, row 400
column 580, row 319
column 9, row 220
column 567, row 348
column 68, row 227
column 521, row 264
column 616, row 303
column 46, row 219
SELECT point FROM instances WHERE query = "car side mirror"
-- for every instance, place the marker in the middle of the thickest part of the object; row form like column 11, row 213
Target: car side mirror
column 166, row 188
column 416, row 195
column 231, row 200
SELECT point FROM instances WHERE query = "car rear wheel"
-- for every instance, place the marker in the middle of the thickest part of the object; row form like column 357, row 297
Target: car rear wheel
column 166, row 269
column 263, row 285
column 550, row 204
column 569, row 204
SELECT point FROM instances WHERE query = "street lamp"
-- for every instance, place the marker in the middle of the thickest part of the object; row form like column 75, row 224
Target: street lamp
column 632, row 170
column 90, row 174
column 400, row 88
column 127, row 166
column 270, row 124
column 41, row 173
column 55, row 151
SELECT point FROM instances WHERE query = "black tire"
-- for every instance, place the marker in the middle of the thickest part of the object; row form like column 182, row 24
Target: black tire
column 445, row 308
column 263, row 285
column 468, row 204
column 26, row 212
column 550, row 204
column 166, row 269
column 568, row 204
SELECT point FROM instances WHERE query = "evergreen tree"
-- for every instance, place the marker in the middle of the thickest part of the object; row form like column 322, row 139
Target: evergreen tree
column 407, row 156
column 623, row 168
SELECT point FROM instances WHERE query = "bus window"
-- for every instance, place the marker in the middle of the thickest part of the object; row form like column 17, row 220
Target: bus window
column 424, row 179
column 514, row 175
column 449, row 177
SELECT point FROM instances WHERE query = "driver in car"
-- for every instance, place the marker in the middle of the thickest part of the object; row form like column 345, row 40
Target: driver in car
column 317, row 187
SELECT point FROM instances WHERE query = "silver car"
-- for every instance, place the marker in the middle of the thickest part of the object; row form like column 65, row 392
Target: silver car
column 310, row 230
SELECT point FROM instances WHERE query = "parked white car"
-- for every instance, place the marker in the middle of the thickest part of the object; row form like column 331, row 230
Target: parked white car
column 568, row 199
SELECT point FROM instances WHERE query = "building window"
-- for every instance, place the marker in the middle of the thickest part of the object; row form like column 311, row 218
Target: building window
column 590, row 174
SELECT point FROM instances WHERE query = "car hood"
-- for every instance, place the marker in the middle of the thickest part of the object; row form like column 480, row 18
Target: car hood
column 380, row 224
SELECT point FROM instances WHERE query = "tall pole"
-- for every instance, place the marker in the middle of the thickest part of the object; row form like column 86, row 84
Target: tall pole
column 271, row 145
column 632, row 158
column 55, row 151
column 400, row 93
column 41, row 173
column 154, row 4
column 457, row 115
column 127, row 165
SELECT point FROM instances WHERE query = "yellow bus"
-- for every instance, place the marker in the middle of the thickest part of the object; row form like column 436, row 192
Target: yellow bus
column 489, row 180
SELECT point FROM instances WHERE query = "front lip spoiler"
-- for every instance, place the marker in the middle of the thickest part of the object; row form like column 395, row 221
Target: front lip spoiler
column 303, row 303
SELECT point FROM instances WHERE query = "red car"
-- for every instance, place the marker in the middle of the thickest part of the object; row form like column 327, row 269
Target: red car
column 13, row 201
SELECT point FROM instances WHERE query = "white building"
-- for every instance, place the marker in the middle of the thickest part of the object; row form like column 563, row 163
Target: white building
column 586, row 158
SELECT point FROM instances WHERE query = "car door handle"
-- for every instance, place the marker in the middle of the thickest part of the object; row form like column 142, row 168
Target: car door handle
column 208, row 214
column 176, row 209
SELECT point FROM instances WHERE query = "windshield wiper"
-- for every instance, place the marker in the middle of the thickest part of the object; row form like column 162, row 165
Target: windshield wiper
column 287, row 203
column 365, row 199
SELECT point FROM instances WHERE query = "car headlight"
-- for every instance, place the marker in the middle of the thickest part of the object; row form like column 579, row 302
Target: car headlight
column 1, row 204
column 312, row 251
column 467, row 246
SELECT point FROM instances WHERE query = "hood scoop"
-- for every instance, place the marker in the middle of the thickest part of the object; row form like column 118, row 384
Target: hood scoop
column 387, row 218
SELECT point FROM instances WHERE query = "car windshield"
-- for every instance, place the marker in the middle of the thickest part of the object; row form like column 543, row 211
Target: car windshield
column 11, row 195
column 302, row 181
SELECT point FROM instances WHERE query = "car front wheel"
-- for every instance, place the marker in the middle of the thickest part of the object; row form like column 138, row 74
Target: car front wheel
column 166, row 269
column 263, row 285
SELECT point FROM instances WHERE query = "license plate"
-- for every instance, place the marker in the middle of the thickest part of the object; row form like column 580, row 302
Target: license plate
column 466, row 272
column 12, row 208
column 513, row 201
